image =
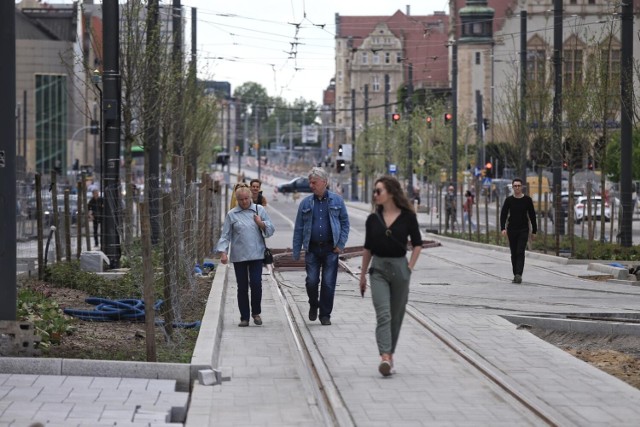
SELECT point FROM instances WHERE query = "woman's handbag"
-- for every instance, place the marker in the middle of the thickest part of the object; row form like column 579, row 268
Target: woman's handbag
column 268, row 256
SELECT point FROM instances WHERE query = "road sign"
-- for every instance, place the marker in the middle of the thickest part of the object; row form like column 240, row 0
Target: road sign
column 392, row 169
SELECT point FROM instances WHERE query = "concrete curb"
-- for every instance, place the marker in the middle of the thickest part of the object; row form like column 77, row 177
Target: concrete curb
column 535, row 255
column 618, row 273
column 576, row 325
column 206, row 352
column 98, row 368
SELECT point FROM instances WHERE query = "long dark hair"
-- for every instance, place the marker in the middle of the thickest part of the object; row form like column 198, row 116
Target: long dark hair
column 393, row 187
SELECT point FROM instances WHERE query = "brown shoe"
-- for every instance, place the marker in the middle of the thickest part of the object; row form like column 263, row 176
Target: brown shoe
column 243, row 323
column 257, row 320
column 384, row 368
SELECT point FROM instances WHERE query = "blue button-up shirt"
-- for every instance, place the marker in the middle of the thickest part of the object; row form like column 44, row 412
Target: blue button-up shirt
column 320, row 224
column 242, row 234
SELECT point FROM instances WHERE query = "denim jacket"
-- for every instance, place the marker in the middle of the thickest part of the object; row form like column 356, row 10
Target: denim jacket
column 338, row 218
column 241, row 234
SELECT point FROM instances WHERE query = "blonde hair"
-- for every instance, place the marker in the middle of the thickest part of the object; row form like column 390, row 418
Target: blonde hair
column 238, row 186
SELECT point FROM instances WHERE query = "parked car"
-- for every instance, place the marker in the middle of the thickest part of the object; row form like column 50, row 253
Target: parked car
column 564, row 203
column 299, row 184
column 581, row 209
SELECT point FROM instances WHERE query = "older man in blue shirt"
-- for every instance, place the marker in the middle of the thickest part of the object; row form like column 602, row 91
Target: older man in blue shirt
column 321, row 229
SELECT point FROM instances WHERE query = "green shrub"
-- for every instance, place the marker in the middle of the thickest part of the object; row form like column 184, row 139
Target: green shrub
column 47, row 317
column 69, row 275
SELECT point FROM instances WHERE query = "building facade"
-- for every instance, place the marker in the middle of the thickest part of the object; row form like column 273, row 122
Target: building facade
column 489, row 59
column 373, row 55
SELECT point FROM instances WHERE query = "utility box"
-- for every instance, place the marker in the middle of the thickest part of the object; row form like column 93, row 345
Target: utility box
column 93, row 261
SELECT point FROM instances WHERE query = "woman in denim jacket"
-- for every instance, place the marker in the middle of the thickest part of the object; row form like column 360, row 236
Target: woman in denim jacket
column 243, row 230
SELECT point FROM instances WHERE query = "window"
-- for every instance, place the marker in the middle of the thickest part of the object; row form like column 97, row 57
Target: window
column 398, row 57
column 611, row 60
column 365, row 58
column 376, row 58
column 376, row 84
column 477, row 58
column 340, row 76
column 536, row 65
column 387, row 57
column 51, row 122
column 572, row 72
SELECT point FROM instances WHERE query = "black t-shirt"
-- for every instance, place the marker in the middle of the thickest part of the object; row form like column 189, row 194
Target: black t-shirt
column 391, row 242
column 95, row 207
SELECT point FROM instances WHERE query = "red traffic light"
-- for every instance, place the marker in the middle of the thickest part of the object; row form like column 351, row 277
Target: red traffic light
column 429, row 120
column 395, row 117
column 447, row 118
column 488, row 165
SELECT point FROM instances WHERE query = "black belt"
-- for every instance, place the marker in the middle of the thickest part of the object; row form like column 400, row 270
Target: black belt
column 320, row 243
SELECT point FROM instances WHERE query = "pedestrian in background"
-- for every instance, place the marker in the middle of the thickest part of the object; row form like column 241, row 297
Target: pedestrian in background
column 242, row 239
column 388, row 231
column 322, row 230
column 467, row 211
column 516, row 214
column 256, row 193
column 450, row 209
column 95, row 207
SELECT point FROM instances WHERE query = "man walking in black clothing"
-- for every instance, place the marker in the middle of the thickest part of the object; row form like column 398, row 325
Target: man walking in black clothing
column 520, row 211
column 95, row 214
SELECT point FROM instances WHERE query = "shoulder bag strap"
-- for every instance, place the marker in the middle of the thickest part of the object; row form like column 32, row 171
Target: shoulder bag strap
column 388, row 232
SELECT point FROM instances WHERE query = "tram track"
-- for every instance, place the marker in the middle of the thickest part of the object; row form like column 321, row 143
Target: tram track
column 333, row 406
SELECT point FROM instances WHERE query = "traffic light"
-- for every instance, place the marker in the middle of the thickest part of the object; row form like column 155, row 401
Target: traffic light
column 340, row 150
column 340, row 164
column 95, row 128
column 429, row 120
column 395, row 117
column 447, row 118
column 486, row 123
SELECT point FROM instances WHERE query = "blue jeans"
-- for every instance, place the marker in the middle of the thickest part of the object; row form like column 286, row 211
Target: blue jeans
column 316, row 258
column 249, row 274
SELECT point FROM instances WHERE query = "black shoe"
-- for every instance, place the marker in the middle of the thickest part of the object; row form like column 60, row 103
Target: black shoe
column 518, row 278
column 325, row 321
column 313, row 313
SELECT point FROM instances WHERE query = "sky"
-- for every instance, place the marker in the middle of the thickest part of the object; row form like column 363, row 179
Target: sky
column 251, row 40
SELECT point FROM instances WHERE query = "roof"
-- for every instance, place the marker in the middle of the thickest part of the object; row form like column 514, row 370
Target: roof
column 424, row 37
column 57, row 24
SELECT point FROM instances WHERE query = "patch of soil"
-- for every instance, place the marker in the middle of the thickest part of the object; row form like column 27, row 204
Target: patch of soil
column 125, row 340
column 616, row 355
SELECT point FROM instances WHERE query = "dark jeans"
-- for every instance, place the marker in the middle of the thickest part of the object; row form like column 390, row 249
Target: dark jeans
column 518, row 244
column 96, row 224
column 321, row 258
column 249, row 275
column 450, row 219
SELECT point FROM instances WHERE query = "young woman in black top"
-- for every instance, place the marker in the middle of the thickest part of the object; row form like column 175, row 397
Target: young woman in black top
column 388, row 230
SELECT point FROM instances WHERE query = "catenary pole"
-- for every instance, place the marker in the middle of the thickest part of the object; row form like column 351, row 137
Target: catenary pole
column 8, row 161
column 626, row 129
column 111, row 106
